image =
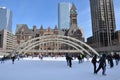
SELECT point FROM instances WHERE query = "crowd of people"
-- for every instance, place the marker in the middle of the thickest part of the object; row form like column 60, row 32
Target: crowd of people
column 111, row 59
column 102, row 62
column 69, row 58
column 7, row 58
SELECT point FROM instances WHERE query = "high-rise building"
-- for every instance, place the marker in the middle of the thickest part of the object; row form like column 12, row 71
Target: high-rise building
column 7, row 42
column 5, row 19
column 64, row 15
column 103, row 22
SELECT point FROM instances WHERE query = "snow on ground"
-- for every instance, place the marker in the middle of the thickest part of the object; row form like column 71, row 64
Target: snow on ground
column 53, row 69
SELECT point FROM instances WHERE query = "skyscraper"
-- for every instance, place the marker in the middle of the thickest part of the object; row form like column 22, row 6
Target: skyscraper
column 5, row 19
column 64, row 15
column 103, row 22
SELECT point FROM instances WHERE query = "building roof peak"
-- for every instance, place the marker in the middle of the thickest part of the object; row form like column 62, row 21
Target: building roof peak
column 73, row 7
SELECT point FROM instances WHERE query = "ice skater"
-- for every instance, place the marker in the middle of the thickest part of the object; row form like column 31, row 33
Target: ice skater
column 70, row 61
column 13, row 59
column 94, row 61
column 3, row 59
column 67, row 59
column 102, row 64
column 110, row 60
column 79, row 58
column 116, row 57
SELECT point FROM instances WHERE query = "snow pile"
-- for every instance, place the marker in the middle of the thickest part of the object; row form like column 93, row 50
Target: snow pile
column 52, row 59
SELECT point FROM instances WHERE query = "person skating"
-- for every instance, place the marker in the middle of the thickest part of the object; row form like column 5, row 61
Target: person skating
column 94, row 61
column 13, row 59
column 3, row 59
column 79, row 58
column 116, row 57
column 70, row 61
column 67, row 59
column 102, row 64
column 110, row 60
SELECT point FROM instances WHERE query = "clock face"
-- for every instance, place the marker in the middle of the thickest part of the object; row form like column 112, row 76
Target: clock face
column 73, row 12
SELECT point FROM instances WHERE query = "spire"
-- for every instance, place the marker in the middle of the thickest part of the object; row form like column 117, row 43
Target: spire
column 73, row 7
column 41, row 28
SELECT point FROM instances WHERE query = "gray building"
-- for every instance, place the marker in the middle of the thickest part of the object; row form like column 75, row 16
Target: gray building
column 7, row 42
column 5, row 19
column 103, row 22
column 64, row 15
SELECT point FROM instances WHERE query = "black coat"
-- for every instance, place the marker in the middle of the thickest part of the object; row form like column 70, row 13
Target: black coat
column 94, row 59
column 102, row 61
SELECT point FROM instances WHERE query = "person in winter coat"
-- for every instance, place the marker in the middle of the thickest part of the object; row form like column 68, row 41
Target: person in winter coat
column 110, row 60
column 79, row 58
column 70, row 61
column 102, row 64
column 67, row 59
column 94, row 61
column 3, row 59
column 13, row 59
column 116, row 57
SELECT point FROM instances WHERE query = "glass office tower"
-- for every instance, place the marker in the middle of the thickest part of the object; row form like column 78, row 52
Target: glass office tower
column 103, row 22
column 64, row 15
column 5, row 19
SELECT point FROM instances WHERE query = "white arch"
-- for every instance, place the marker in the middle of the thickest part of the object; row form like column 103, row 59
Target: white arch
column 70, row 42
column 53, row 41
column 58, row 36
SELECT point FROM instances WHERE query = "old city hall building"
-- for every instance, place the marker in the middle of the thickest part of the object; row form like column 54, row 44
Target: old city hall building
column 23, row 33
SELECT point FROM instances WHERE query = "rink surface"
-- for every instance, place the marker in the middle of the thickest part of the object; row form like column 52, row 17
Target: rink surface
column 54, row 69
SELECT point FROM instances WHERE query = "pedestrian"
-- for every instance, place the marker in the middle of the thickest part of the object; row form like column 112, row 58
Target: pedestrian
column 13, row 59
column 67, row 59
column 116, row 57
column 3, row 59
column 40, row 56
column 110, row 60
column 102, row 64
column 79, row 59
column 70, row 61
column 94, row 61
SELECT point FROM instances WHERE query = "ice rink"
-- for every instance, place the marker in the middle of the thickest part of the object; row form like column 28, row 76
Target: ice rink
column 54, row 69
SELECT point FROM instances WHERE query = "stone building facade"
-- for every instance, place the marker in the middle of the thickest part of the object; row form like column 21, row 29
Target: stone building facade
column 23, row 33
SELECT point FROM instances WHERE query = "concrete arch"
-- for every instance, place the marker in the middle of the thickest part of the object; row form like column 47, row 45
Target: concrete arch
column 53, row 41
column 62, row 40
column 74, row 41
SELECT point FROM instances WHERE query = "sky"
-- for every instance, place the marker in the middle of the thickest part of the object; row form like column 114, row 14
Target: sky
column 45, row 12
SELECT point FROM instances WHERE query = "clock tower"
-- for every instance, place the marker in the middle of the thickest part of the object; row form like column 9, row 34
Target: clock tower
column 73, row 15
column 74, row 30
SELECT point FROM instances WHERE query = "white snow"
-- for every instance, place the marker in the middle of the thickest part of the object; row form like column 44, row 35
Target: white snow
column 54, row 69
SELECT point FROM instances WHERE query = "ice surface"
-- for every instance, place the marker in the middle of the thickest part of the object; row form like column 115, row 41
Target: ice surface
column 54, row 69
